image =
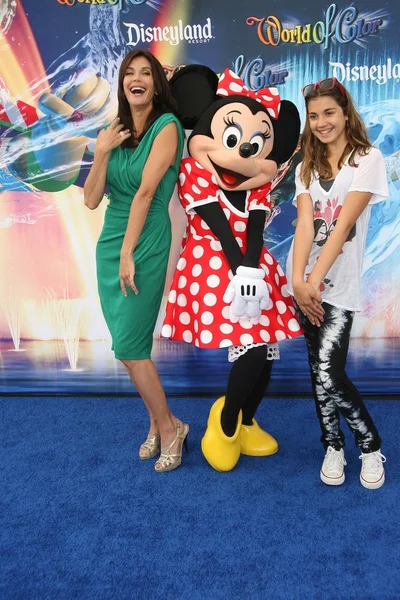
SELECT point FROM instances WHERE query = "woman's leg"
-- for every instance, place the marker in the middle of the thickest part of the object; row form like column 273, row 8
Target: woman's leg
column 334, row 344
column 243, row 377
column 326, row 408
column 144, row 376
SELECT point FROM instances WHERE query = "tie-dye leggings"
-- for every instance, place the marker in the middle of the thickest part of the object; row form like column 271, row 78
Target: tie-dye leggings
column 333, row 391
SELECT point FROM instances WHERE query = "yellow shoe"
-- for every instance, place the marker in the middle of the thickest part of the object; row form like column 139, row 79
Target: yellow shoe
column 256, row 442
column 221, row 451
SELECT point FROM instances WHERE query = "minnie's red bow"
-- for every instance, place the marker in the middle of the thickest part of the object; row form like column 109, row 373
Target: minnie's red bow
column 230, row 84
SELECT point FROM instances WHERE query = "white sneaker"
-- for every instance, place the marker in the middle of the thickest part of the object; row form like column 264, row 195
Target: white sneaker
column 332, row 470
column 372, row 474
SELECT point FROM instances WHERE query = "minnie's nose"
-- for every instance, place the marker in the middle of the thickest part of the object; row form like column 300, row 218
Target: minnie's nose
column 246, row 150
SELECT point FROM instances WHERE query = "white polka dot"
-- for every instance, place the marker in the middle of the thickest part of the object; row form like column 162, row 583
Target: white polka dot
column 196, row 325
column 216, row 245
column 166, row 331
column 284, row 291
column 195, row 189
column 198, row 165
column 281, row 307
column 188, row 167
column 196, row 342
column 226, row 328
column 268, row 258
column 182, row 178
column 188, row 197
column 214, row 179
column 196, row 237
column 202, row 182
column 184, row 318
column 292, row 310
column 227, row 213
column 265, row 269
column 182, row 301
column 181, row 264
column 293, row 325
column 206, row 336
column 269, row 286
column 230, row 274
column 204, row 225
column 192, row 230
column 279, row 335
column 196, row 270
column 215, row 262
column 210, row 299
column 207, row 317
column 246, row 339
column 198, row 251
column 225, row 343
column 239, row 241
column 172, row 297
column 279, row 320
column 194, row 288
column 195, row 307
column 279, row 269
column 213, row 281
column 276, row 278
column 225, row 312
column 264, row 335
column 182, row 281
column 187, row 336
column 264, row 320
column 235, row 87
column 239, row 226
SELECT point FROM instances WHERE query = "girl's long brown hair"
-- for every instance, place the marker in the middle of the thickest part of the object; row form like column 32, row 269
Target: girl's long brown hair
column 315, row 158
column 163, row 101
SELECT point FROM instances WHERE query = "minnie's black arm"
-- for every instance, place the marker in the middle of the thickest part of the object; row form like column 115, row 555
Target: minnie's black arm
column 255, row 240
column 215, row 218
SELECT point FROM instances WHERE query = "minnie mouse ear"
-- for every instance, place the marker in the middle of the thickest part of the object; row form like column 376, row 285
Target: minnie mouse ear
column 194, row 89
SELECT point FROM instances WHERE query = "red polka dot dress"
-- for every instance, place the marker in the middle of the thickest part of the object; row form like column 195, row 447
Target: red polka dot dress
column 196, row 312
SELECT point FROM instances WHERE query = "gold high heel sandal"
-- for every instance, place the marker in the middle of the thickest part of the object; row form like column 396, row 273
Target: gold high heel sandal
column 168, row 461
column 151, row 447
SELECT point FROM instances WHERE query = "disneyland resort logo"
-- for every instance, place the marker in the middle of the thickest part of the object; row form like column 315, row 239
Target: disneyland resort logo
column 342, row 25
column 173, row 34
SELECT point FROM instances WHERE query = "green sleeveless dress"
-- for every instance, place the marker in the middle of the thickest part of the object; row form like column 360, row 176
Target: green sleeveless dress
column 131, row 320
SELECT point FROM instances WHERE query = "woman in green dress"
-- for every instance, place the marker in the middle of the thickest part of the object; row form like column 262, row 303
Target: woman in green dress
column 138, row 157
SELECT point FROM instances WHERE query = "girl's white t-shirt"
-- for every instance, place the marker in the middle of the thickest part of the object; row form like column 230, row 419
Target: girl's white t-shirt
column 341, row 286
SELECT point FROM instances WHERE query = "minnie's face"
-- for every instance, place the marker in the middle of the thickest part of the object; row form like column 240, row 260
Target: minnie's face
column 236, row 154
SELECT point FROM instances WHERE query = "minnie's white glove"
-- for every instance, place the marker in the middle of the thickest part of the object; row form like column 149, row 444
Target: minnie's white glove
column 248, row 294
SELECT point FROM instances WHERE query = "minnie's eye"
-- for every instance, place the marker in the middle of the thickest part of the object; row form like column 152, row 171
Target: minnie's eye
column 231, row 137
column 258, row 144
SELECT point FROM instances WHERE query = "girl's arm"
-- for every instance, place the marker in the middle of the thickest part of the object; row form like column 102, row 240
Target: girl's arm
column 107, row 140
column 307, row 297
column 162, row 156
column 353, row 206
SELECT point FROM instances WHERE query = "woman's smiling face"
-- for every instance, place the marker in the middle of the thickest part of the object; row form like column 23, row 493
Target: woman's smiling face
column 138, row 83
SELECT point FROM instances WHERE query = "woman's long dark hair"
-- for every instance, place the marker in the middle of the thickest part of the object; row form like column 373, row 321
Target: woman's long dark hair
column 163, row 101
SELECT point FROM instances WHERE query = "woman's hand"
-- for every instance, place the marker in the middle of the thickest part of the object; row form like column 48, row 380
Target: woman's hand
column 127, row 274
column 112, row 137
column 309, row 300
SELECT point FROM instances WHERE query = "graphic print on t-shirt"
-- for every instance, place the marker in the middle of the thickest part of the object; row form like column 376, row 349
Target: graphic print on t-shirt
column 325, row 221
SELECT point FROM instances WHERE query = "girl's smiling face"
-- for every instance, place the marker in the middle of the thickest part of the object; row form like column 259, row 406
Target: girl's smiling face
column 327, row 120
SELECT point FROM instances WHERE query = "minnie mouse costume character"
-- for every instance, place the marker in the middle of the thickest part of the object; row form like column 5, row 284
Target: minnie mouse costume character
column 228, row 290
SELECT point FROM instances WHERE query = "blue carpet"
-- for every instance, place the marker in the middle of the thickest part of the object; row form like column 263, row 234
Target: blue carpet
column 82, row 518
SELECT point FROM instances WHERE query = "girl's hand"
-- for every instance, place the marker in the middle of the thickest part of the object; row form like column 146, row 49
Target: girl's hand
column 127, row 274
column 112, row 137
column 309, row 301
